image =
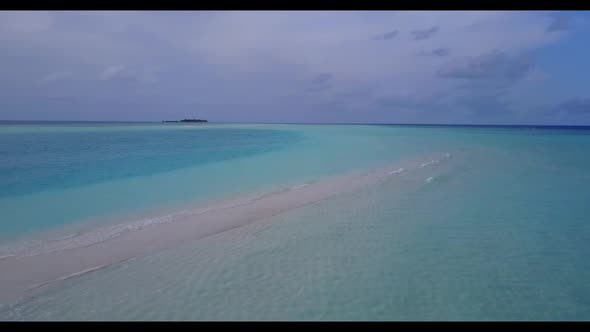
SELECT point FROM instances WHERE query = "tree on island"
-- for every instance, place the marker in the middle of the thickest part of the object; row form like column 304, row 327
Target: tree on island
column 190, row 120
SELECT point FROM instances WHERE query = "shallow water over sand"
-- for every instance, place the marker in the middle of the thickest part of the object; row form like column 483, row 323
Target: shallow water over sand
column 345, row 222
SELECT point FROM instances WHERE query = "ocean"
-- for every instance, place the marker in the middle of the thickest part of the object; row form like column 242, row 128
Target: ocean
column 149, row 221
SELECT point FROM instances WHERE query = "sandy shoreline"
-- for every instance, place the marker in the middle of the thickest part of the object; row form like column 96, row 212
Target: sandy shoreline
column 71, row 257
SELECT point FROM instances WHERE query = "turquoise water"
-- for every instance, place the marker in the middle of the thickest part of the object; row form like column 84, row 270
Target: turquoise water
column 500, row 233
column 43, row 161
column 61, row 174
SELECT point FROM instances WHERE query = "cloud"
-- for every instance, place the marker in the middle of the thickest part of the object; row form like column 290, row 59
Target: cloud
column 441, row 52
column 438, row 52
column 570, row 111
column 112, row 72
column 424, row 33
column 405, row 99
column 560, row 23
column 486, row 83
column 24, row 23
column 493, row 65
column 575, row 106
column 485, row 104
column 124, row 73
column 322, row 78
column 319, row 85
column 56, row 76
column 266, row 59
column 387, row 35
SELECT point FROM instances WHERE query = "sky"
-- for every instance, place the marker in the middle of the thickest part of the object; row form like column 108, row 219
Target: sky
column 449, row 67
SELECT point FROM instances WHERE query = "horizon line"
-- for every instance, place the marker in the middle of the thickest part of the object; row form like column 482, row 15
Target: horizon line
column 311, row 123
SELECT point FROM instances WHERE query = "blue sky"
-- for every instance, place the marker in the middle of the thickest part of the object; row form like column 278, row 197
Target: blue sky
column 305, row 66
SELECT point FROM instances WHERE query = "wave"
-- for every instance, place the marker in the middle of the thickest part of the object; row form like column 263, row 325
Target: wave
column 6, row 256
column 68, row 276
column 399, row 170
column 75, row 274
column 65, row 237
column 90, row 238
column 299, row 186
column 428, row 163
column 435, row 161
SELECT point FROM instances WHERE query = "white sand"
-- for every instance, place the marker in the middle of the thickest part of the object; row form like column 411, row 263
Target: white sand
column 74, row 256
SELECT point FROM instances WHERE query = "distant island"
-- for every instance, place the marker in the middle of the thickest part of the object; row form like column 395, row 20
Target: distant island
column 190, row 120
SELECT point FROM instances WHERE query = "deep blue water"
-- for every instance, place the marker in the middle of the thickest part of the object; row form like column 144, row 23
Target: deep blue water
column 52, row 160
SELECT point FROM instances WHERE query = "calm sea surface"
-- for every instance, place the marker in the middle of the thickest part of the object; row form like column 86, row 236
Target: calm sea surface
column 498, row 231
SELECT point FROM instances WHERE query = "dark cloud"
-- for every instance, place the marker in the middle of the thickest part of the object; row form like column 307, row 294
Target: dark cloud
column 439, row 52
column 417, row 99
column 494, row 65
column 560, row 23
column 486, row 80
column 387, row 35
column 321, row 82
column 402, row 102
column 424, row 33
column 322, row 78
column 575, row 106
column 485, row 104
